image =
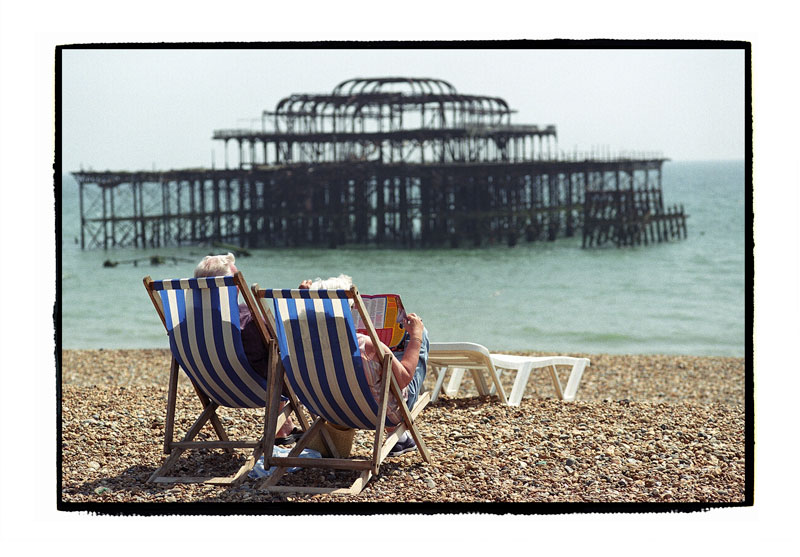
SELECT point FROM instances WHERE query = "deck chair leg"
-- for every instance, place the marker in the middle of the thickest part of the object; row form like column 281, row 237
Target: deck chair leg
column 380, row 425
column 172, row 394
column 166, row 466
column 239, row 477
column 408, row 419
column 422, row 402
column 275, row 380
column 277, row 375
column 209, row 413
column 176, row 452
column 264, row 445
column 361, row 482
column 169, row 425
column 294, row 403
column 270, row 420
column 215, row 423
column 273, row 479
column 220, row 431
column 327, row 441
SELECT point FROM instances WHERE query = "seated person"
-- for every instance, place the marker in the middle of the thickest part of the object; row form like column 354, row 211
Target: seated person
column 409, row 366
column 254, row 349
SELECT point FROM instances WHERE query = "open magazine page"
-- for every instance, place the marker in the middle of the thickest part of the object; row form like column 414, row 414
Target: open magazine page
column 387, row 314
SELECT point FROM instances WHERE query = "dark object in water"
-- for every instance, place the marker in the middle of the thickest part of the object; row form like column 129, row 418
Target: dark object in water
column 236, row 250
column 153, row 260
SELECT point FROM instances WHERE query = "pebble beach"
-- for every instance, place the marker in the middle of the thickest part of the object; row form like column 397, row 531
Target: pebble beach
column 643, row 429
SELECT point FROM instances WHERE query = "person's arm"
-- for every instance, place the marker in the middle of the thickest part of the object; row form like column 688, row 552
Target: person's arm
column 404, row 369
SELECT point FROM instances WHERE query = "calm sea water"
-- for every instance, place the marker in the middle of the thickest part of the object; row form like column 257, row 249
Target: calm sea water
column 686, row 297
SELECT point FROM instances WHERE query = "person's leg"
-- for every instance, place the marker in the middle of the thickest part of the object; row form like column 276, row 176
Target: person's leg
column 288, row 426
column 415, row 386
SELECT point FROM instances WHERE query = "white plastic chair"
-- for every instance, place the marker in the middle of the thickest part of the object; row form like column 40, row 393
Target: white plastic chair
column 461, row 356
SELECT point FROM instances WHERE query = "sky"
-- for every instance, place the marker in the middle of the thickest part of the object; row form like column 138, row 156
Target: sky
column 143, row 109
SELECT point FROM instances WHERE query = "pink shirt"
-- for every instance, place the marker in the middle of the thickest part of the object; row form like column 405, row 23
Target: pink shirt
column 372, row 369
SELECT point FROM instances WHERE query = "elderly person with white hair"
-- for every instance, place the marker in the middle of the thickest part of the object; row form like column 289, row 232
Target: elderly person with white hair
column 254, row 349
column 409, row 366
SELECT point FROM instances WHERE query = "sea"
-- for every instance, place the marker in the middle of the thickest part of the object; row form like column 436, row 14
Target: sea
column 685, row 297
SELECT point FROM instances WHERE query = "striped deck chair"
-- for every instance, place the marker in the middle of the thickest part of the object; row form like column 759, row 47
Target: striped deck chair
column 201, row 316
column 321, row 358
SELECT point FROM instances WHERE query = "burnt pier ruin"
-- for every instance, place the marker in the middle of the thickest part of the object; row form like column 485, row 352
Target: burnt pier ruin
column 386, row 162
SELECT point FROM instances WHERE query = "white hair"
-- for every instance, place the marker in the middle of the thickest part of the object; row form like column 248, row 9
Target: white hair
column 342, row 282
column 215, row 266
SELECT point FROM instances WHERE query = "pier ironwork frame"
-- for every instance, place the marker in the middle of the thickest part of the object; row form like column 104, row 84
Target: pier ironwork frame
column 389, row 161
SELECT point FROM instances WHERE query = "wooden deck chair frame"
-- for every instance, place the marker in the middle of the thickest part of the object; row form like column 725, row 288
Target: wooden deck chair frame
column 174, row 449
column 383, row 441
column 460, row 356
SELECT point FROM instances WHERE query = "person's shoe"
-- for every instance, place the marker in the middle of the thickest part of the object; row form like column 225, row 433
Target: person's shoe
column 290, row 439
column 404, row 445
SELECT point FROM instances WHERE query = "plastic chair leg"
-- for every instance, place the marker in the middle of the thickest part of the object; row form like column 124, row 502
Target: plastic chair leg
column 442, row 371
column 520, row 383
column 574, row 379
column 480, row 382
column 455, row 382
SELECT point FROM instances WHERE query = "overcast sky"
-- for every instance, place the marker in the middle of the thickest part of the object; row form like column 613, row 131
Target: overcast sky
column 142, row 109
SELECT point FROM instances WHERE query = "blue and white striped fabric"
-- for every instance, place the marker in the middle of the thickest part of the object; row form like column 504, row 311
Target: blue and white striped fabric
column 202, row 318
column 319, row 351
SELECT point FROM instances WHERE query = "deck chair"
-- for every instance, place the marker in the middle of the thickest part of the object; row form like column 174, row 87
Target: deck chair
column 321, row 358
column 460, row 356
column 201, row 316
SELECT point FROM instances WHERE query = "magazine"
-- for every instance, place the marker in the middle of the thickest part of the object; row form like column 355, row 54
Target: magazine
column 387, row 314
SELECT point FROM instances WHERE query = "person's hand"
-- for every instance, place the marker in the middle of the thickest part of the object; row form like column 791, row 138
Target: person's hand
column 414, row 325
column 306, row 284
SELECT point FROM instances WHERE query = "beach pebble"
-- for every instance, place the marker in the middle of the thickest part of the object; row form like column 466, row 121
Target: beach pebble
column 593, row 449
